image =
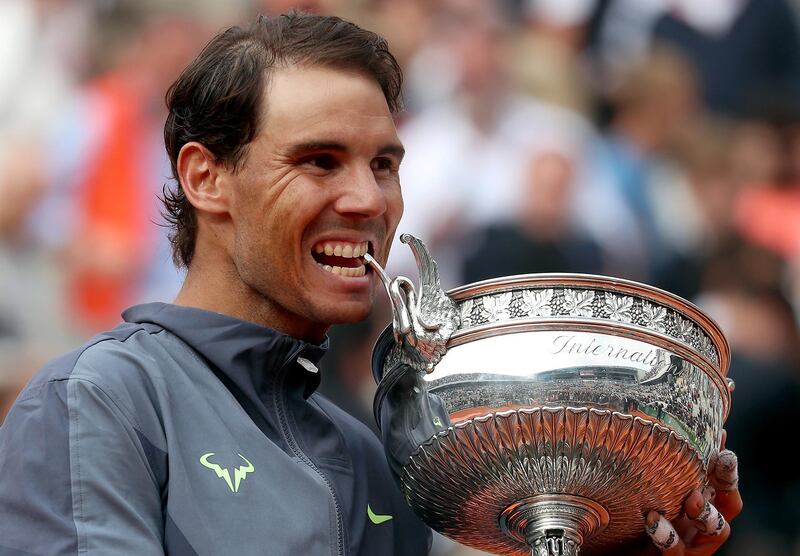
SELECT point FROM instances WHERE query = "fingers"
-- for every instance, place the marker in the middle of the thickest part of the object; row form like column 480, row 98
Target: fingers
column 663, row 535
column 705, row 545
column 708, row 531
column 710, row 521
column 725, row 474
column 724, row 477
column 707, row 512
column 712, row 528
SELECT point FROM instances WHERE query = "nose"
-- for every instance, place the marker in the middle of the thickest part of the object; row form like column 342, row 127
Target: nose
column 362, row 195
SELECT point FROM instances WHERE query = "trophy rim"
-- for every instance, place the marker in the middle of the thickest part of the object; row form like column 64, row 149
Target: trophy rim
column 621, row 285
column 717, row 371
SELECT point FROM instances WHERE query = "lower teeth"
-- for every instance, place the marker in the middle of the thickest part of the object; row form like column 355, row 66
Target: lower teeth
column 344, row 271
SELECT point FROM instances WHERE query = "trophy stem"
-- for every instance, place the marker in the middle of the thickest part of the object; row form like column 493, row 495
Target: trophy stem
column 554, row 543
column 554, row 524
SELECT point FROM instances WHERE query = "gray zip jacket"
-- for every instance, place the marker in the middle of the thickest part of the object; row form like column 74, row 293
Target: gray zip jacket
column 187, row 432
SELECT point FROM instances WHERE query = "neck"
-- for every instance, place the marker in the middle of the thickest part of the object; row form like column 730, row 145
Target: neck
column 216, row 286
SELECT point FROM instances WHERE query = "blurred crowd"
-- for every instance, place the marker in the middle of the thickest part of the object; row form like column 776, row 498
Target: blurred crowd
column 656, row 140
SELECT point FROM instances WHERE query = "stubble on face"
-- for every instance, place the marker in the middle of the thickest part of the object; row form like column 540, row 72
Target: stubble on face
column 324, row 169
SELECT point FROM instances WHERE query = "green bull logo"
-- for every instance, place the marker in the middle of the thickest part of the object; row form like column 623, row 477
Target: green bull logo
column 239, row 473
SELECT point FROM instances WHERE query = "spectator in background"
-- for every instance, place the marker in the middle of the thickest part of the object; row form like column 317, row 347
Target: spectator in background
column 628, row 167
column 746, row 52
column 409, row 27
column 767, row 209
column 742, row 291
column 275, row 7
column 106, row 165
column 546, row 60
column 467, row 150
column 40, row 65
column 696, row 212
column 543, row 237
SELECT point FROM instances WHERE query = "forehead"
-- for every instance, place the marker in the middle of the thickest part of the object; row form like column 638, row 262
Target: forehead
column 304, row 102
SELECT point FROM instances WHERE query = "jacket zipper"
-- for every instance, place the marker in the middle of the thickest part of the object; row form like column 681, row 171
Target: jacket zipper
column 280, row 405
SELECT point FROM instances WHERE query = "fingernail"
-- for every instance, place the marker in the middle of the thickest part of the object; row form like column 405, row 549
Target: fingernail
column 708, row 492
column 694, row 504
column 726, row 470
column 710, row 521
column 660, row 531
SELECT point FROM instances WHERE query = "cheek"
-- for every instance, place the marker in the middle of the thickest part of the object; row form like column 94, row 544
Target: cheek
column 259, row 261
column 394, row 208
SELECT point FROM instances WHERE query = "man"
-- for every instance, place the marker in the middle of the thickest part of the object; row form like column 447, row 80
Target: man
column 193, row 428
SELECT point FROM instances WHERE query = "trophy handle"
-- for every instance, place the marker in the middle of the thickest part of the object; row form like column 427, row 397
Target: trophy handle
column 422, row 323
column 399, row 298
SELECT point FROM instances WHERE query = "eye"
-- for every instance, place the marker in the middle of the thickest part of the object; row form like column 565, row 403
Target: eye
column 322, row 161
column 384, row 164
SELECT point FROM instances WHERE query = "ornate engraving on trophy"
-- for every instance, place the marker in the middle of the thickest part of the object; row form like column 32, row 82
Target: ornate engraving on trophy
column 539, row 303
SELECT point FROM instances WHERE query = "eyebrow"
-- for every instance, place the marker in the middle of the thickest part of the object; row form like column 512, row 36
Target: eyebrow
column 392, row 148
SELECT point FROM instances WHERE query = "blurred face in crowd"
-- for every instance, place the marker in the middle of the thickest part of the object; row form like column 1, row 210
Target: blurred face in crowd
column 545, row 204
column 474, row 35
column 317, row 189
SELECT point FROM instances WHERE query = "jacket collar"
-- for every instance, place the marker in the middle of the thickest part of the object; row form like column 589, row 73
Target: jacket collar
column 250, row 355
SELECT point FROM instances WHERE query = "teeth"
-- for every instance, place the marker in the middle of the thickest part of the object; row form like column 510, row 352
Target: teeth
column 347, row 250
column 344, row 271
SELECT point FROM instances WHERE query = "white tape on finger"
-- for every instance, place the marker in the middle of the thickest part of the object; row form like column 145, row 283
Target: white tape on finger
column 726, row 471
column 710, row 521
column 663, row 534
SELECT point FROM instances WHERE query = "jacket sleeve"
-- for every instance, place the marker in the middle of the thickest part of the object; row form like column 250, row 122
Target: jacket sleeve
column 74, row 476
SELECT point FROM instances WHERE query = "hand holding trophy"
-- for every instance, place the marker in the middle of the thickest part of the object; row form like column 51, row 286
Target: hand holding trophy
column 555, row 414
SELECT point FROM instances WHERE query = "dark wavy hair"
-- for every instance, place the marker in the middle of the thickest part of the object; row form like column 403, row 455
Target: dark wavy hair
column 218, row 98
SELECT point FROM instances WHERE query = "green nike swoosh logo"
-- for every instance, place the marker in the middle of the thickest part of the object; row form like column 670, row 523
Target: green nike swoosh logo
column 375, row 518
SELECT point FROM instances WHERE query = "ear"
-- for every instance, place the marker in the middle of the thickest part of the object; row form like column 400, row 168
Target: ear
column 201, row 177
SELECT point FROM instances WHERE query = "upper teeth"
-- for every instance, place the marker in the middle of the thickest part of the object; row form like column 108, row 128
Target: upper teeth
column 342, row 249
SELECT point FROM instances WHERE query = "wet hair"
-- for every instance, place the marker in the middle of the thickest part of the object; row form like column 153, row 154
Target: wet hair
column 218, row 100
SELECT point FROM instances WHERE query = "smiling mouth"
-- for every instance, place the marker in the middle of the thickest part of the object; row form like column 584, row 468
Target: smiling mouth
column 341, row 257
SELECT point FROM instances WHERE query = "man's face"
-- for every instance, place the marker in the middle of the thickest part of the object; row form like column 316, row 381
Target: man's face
column 317, row 188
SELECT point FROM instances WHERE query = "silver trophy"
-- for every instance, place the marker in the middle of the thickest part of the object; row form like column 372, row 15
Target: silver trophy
column 547, row 414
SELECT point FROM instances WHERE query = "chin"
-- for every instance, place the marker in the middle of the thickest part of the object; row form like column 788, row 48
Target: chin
column 348, row 313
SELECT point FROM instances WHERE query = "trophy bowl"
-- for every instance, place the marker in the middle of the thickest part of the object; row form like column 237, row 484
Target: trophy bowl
column 547, row 414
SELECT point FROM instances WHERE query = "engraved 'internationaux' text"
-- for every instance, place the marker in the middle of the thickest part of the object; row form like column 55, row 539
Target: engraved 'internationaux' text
column 568, row 344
